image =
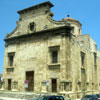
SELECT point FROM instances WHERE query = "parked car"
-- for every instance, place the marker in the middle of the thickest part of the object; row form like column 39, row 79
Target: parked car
column 46, row 97
column 89, row 97
column 98, row 96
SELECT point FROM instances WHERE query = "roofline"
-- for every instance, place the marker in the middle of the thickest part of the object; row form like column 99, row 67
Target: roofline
column 32, row 7
column 63, row 28
column 71, row 20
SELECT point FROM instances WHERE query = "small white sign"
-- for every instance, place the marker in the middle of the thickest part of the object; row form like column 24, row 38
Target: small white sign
column 26, row 86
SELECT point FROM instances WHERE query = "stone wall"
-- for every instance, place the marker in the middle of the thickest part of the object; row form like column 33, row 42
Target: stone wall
column 33, row 53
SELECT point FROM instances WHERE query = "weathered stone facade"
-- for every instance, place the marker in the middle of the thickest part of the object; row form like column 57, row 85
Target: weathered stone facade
column 52, row 55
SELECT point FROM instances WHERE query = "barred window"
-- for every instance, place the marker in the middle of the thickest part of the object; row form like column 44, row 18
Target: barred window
column 54, row 56
column 11, row 58
column 54, row 53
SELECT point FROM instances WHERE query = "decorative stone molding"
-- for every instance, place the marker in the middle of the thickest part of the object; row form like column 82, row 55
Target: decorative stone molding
column 10, row 69
column 30, row 28
column 64, row 23
column 8, row 35
column 54, row 66
column 52, row 31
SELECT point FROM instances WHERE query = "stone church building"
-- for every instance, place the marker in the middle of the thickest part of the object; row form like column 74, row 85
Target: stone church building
column 43, row 55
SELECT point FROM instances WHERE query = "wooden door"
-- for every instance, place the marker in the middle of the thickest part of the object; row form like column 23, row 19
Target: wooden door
column 54, row 85
column 9, row 84
column 30, row 78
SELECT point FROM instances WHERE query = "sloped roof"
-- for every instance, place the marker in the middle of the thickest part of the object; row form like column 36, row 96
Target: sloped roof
column 72, row 20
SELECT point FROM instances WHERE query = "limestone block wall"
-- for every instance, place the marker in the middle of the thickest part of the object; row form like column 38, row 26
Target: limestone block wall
column 41, row 21
column 91, row 76
column 77, row 29
column 75, row 65
column 33, row 55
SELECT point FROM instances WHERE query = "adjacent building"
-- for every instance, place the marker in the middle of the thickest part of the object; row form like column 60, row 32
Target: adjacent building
column 1, row 80
column 44, row 55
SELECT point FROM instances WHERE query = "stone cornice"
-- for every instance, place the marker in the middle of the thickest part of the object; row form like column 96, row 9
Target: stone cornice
column 36, row 6
column 8, row 35
column 57, row 30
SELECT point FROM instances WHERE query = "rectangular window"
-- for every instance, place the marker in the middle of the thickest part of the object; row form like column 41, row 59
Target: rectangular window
column 54, row 56
column 95, row 57
column 11, row 58
column 82, row 59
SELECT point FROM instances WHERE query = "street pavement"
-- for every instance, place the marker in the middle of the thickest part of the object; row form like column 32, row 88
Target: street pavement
column 6, row 98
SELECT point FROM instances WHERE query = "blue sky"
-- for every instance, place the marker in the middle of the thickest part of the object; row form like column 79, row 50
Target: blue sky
column 86, row 11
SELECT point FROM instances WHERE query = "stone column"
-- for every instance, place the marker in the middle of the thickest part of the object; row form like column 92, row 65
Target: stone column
column 65, row 57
